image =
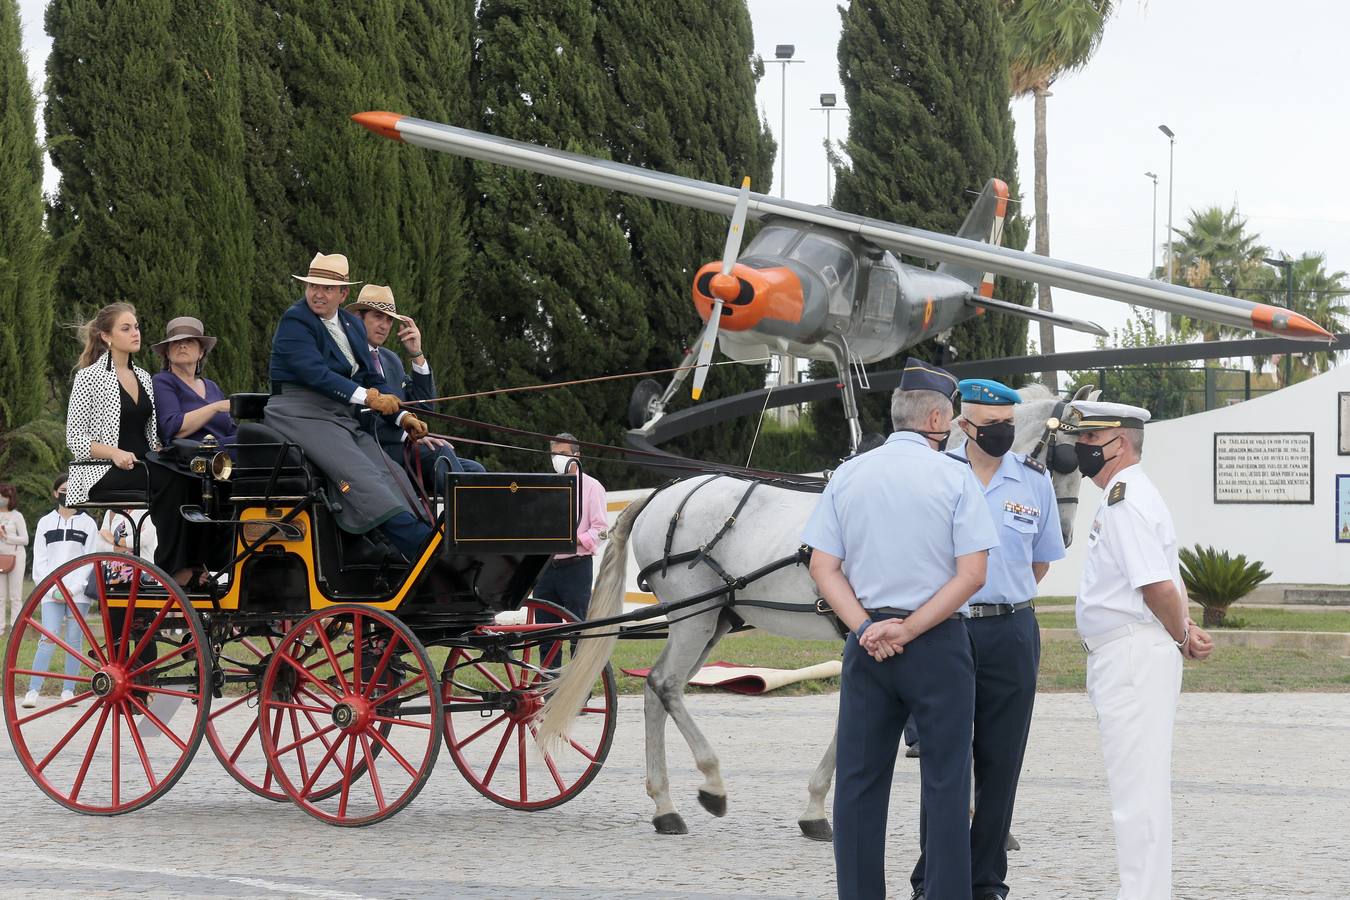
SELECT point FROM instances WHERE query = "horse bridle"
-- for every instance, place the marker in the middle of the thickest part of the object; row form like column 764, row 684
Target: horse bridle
column 1058, row 458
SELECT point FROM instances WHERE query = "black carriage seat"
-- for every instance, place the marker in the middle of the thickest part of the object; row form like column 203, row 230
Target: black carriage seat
column 131, row 498
column 258, row 448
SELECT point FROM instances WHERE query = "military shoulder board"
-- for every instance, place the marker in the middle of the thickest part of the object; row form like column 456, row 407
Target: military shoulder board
column 960, row 459
column 1117, row 494
column 1034, row 464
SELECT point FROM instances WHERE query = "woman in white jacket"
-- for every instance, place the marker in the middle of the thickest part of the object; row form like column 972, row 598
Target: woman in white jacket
column 13, row 540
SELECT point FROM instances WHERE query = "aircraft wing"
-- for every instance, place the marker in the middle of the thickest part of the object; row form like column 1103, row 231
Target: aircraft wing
column 896, row 238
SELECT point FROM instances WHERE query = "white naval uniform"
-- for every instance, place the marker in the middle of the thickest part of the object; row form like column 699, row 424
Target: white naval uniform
column 1133, row 674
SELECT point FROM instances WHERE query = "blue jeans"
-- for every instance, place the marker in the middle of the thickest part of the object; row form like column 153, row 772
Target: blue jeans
column 53, row 614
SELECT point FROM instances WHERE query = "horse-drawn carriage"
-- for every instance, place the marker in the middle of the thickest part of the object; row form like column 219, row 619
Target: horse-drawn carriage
column 319, row 666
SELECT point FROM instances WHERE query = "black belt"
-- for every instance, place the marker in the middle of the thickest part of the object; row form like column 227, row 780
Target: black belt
column 568, row 561
column 989, row 610
column 888, row 612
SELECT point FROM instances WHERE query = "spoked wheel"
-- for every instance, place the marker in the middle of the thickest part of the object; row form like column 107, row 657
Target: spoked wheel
column 234, row 727
column 142, row 685
column 361, row 711
column 492, row 700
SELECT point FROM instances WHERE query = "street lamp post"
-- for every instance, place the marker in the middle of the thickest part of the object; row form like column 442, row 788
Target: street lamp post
column 783, row 56
column 787, row 371
column 1171, row 152
column 1153, row 241
column 828, row 105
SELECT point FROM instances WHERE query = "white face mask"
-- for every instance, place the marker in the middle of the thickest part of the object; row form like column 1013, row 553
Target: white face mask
column 4, row 503
column 560, row 463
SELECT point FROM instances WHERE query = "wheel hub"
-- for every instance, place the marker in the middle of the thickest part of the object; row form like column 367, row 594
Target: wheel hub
column 353, row 714
column 523, row 706
column 111, row 684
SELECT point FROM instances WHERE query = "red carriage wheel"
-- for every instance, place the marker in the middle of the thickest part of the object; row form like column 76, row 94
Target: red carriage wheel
column 141, row 672
column 234, row 727
column 357, row 687
column 492, row 700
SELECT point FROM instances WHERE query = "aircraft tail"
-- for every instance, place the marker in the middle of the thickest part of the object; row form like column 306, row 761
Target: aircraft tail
column 983, row 223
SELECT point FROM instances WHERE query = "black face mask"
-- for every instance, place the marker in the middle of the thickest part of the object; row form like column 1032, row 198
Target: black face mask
column 932, row 436
column 995, row 439
column 60, row 498
column 1092, row 457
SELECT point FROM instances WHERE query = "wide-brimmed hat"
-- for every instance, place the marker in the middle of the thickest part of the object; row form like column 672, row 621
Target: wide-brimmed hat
column 379, row 298
column 184, row 328
column 326, row 268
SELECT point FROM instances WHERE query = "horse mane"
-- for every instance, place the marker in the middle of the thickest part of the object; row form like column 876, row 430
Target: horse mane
column 1035, row 391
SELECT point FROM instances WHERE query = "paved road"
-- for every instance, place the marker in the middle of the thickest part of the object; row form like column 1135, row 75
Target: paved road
column 1260, row 812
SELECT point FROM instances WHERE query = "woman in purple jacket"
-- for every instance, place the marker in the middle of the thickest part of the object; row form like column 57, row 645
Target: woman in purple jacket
column 186, row 404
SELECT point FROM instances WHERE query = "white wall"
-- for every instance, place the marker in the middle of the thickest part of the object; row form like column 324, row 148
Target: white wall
column 1296, row 543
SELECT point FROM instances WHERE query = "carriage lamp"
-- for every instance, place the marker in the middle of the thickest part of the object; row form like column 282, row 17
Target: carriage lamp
column 222, row 466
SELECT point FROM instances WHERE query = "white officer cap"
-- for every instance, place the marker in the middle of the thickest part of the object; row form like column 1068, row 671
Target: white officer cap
column 1094, row 415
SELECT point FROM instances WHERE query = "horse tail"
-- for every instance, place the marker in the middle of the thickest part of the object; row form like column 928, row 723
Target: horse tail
column 578, row 677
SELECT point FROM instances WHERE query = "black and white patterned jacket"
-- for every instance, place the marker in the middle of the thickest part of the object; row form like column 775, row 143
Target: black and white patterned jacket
column 95, row 414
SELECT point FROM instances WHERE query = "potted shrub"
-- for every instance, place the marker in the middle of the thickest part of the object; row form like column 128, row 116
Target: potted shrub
column 1216, row 580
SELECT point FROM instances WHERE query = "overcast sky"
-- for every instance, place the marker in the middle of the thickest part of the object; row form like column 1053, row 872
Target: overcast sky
column 1255, row 93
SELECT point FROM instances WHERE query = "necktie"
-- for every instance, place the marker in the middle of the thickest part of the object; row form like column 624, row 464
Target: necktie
column 375, row 358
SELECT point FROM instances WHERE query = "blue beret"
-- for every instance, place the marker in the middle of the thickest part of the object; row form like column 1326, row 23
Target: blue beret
column 920, row 376
column 988, row 392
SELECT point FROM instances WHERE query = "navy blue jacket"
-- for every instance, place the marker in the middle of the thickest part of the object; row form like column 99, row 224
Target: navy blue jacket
column 304, row 353
column 404, row 385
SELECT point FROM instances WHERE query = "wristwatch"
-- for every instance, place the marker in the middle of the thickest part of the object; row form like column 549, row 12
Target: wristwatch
column 858, row 632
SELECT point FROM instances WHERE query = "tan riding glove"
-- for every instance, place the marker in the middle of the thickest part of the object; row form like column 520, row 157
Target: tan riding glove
column 416, row 428
column 384, row 404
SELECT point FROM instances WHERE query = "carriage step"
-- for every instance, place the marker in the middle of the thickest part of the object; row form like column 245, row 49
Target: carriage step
column 286, row 530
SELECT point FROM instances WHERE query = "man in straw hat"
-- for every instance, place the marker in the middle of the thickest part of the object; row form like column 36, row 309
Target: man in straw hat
column 379, row 312
column 321, row 376
column 1131, row 614
column 909, row 651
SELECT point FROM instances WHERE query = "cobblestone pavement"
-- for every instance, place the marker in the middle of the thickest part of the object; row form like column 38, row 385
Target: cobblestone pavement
column 1260, row 812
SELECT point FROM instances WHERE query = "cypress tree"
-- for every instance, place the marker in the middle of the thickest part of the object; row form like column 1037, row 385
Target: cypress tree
column 26, row 263
column 556, row 294
column 270, row 175
column 681, row 80
column 117, row 127
column 218, row 207
column 927, row 89
column 436, row 56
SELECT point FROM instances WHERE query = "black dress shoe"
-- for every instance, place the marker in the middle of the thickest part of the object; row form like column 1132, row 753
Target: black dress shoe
column 992, row 895
column 917, row 895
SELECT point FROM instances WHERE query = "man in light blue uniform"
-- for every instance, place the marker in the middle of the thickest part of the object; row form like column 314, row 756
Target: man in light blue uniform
column 1002, row 624
column 900, row 540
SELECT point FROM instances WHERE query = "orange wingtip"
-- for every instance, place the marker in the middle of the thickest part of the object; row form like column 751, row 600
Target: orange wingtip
column 382, row 123
column 1279, row 321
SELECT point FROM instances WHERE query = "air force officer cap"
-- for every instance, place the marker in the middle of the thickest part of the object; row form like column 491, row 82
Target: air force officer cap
column 921, row 376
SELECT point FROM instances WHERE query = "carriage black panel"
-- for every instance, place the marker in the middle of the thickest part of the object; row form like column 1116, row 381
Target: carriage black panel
column 510, row 513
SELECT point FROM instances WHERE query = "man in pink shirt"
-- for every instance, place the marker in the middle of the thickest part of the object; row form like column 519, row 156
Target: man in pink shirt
column 567, row 580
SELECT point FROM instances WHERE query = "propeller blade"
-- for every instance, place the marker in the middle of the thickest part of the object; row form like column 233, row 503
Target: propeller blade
column 705, row 352
column 737, row 229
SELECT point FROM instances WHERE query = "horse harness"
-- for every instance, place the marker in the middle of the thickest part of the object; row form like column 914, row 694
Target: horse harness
column 1058, row 458
column 703, row 554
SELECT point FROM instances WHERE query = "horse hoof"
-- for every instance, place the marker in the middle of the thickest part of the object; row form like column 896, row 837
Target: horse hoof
column 816, row 829
column 669, row 823
column 1012, row 843
column 713, row 803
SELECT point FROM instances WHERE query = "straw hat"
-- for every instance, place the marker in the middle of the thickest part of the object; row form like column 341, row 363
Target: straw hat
column 379, row 298
column 184, row 328
column 328, row 268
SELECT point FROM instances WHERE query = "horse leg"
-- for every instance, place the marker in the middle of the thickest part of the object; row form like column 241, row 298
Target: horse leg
column 813, row 822
column 712, row 796
column 687, row 642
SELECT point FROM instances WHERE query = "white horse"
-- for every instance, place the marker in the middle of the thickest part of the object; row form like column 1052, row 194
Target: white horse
column 756, row 530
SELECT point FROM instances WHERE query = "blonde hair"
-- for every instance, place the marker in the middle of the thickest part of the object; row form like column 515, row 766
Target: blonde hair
column 91, row 332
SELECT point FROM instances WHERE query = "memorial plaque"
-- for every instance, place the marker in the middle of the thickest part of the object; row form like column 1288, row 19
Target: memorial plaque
column 1263, row 467
column 1343, row 421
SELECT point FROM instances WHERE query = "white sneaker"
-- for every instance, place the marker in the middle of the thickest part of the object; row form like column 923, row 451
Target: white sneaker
column 67, row 695
column 29, row 700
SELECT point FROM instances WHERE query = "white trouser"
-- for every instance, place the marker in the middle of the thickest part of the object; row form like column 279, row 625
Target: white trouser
column 1134, row 682
column 11, row 586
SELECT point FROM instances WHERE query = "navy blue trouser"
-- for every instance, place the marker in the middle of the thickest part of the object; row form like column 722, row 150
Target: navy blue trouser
column 934, row 679
column 567, row 584
column 1007, row 658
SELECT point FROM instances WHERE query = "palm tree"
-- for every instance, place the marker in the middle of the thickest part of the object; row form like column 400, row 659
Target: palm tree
column 1047, row 39
column 1323, row 297
column 1215, row 253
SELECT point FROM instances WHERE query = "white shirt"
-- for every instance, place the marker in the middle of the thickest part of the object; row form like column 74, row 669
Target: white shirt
column 1132, row 543
column 56, row 541
column 334, row 327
